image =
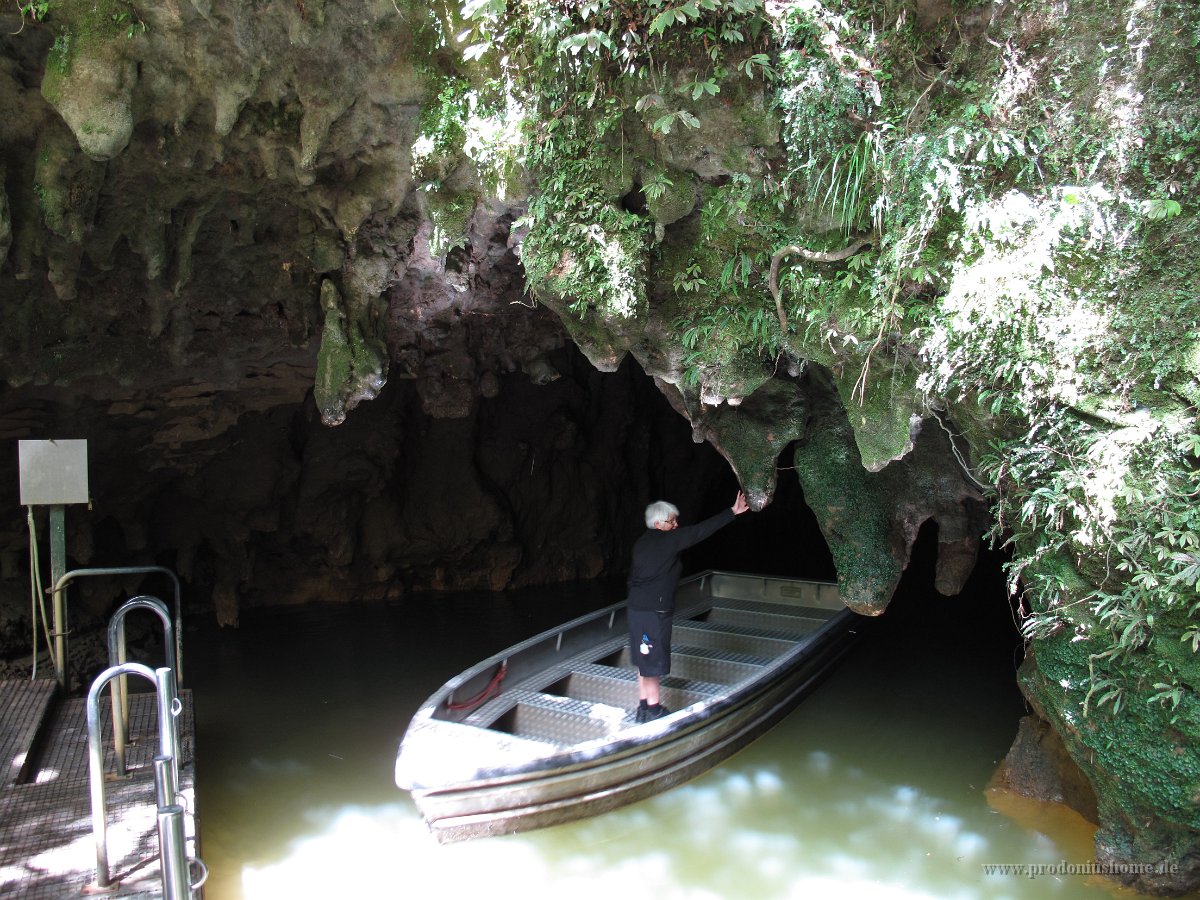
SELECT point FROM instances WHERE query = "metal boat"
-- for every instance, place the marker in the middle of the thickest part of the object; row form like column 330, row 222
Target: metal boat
column 544, row 732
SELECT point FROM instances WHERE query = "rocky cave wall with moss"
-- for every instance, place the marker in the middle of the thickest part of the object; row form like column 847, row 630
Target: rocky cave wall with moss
column 932, row 258
column 252, row 237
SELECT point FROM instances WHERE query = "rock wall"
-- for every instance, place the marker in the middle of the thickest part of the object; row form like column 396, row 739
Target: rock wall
column 538, row 482
column 206, row 214
column 209, row 217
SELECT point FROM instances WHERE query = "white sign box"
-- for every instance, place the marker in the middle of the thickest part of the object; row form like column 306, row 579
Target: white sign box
column 53, row 472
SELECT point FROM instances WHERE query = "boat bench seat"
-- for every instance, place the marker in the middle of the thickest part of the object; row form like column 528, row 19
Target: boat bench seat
column 607, row 684
column 769, row 616
column 702, row 664
column 718, row 666
column 591, row 701
column 563, row 720
column 752, row 641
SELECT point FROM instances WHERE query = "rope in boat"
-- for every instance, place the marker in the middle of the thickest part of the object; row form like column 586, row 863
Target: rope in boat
column 492, row 689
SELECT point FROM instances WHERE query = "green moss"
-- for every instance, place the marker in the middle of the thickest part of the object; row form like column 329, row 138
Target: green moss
column 65, row 186
column 673, row 198
column 881, row 402
column 334, row 368
column 450, row 216
column 59, row 60
column 85, row 24
column 1146, row 755
column 1174, row 645
column 349, row 366
column 93, row 27
column 853, row 513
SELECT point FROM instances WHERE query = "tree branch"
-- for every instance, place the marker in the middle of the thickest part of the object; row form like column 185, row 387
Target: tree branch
column 856, row 245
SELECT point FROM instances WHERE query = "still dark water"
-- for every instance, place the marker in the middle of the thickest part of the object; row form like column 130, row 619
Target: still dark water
column 873, row 787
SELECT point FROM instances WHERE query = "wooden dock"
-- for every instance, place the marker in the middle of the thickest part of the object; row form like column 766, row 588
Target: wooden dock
column 47, row 848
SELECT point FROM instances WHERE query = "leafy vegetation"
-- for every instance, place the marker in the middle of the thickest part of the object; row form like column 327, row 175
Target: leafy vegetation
column 34, row 9
column 1028, row 291
column 1023, row 265
column 567, row 69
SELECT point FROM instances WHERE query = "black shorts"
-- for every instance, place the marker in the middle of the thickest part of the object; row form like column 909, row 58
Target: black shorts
column 650, row 642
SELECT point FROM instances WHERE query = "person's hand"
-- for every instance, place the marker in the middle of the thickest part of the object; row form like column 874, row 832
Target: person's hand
column 740, row 505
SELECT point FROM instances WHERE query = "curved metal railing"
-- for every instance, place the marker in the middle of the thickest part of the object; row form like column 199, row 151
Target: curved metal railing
column 116, row 656
column 60, row 613
column 174, row 861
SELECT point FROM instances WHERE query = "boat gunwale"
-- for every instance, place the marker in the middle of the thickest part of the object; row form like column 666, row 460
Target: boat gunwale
column 680, row 725
column 434, row 701
column 449, row 826
column 618, row 748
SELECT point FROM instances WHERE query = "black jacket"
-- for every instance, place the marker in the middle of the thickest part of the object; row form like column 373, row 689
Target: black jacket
column 654, row 572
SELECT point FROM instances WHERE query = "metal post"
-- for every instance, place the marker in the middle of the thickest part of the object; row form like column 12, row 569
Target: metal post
column 176, row 880
column 165, row 787
column 61, row 583
column 172, row 842
column 120, row 702
column 168, row 708
column 58, row 567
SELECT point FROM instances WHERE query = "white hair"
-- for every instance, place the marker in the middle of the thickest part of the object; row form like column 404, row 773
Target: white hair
column 660, row 511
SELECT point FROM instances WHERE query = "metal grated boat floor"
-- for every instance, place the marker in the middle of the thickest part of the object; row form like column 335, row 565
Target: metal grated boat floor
column 593, row 695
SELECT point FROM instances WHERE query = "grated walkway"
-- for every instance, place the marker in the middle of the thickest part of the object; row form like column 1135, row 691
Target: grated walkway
column 47, row 848
column 24, row 706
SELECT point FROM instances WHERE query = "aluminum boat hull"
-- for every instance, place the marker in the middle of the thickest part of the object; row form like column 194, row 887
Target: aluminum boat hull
column 544, row 733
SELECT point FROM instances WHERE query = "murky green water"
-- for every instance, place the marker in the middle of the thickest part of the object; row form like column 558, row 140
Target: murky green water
column 874, row 787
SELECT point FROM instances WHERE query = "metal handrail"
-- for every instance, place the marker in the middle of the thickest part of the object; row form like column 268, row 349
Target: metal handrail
column 174, row 863
column 172, row 842
column 116, row 656
column 60, row 613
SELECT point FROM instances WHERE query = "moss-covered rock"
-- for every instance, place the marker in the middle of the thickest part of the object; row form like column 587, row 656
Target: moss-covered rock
column 350, row 366
column 67, row 186
column 91, row 76
column 752, row 432
column 672, row 195
column 883, row 405
column 450, row 220
column 1144, row 756
column 850, row 506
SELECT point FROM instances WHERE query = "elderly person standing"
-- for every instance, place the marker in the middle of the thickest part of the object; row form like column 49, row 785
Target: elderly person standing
column 653, row 577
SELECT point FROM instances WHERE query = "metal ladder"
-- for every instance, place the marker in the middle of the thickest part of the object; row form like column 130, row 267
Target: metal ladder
column 175, row 864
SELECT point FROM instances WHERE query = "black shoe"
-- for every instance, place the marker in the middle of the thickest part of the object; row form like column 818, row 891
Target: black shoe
column 657, row 711
column 640, row 716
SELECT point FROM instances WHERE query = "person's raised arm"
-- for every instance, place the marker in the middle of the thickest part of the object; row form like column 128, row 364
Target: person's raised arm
column 740, row 505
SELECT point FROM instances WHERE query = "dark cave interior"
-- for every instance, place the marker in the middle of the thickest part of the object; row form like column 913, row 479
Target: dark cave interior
column 308, row 513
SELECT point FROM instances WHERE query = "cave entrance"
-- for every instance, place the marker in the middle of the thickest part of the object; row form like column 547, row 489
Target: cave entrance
column 979, row 618
column 943, row 670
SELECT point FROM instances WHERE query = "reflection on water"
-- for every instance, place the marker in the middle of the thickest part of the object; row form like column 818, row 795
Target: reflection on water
column 874, row 787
